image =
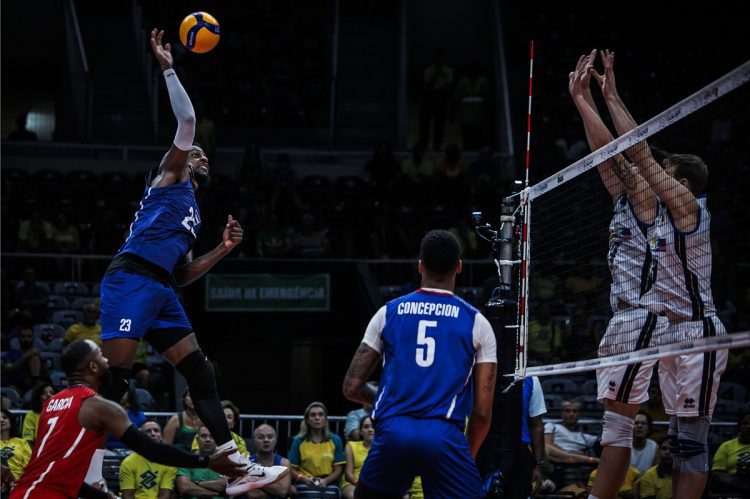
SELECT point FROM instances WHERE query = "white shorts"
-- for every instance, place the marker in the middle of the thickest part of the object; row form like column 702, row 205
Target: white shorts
column 689, row 382
column 628, row 330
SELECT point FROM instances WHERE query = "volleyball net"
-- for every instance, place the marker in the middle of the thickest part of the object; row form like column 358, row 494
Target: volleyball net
column 572, row 241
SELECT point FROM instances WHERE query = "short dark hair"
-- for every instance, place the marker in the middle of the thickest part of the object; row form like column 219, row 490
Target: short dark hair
column 690, row 167
column 439, row 251
column 75, row 355
column 660, row 155
column 649, row 419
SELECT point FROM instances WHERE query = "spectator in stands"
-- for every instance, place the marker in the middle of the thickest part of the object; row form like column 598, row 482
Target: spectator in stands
column 309, row 241
column 437, row 84
column 545, row 337
column 182, row 428
column 144, row 479
column 15, row 451
column 21, row 132
column 472, row 95
column 632, row 475
column 264, row 439
column 730, row 470
column 88, row 329
column 31, row 297
column 356, row 452
column 35, row 234
column 354, row 419
column 317, row 456
column 65, row 237
column 654, row 407
column 569, row 448
column 201, row 482
column 416, row 174
column 130, row 404
column 656, row 482
column 643, row 453
column 232, row 413
column 39, row 396
column 141, row 376
column 451, row 179
column 272, row 240
column 23, row 368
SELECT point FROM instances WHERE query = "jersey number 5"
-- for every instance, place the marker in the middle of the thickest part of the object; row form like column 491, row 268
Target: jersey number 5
column 425, row 355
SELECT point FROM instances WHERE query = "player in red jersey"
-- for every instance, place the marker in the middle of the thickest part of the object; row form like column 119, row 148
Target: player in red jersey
column 73, row 424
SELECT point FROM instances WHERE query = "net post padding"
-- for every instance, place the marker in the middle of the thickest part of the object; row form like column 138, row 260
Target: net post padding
column 734, row 340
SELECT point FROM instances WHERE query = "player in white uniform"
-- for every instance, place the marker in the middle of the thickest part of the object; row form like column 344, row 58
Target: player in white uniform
column 632, row 327
column 682, row 291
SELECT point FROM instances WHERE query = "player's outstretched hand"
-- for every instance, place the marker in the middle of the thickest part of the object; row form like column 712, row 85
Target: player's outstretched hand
column 221, row 464
column 163, row 53
column 232, row 233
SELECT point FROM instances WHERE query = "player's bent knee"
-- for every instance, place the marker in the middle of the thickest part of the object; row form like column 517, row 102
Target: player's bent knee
column 691, row 444
column 199, row 374
column 617, row 430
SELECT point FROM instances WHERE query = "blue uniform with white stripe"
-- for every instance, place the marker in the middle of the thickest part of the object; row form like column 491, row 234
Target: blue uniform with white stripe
column 429, row 341
column 136, row 293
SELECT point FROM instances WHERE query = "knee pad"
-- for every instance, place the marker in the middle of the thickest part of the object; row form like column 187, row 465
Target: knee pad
column 617, row 430
column 199, row 374
column 114, row 388
column 691, row 444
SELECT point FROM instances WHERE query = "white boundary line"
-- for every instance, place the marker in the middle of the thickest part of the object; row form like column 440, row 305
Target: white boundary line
column 730, row 81
column 734, row 340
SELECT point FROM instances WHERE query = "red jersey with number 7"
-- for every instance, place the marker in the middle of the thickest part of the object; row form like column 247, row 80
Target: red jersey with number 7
column 63, row 449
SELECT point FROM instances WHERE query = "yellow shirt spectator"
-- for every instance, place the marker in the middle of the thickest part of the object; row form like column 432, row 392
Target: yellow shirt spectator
column 81, row 331
column 654, row 484
column 627, row 486
column 729, row 454
column 241, row 444
column 148, row 480
column 359, row 453
column 28, row 430
column 16, row 452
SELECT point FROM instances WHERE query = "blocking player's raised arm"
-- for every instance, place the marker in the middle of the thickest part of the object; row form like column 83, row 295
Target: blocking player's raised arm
column 173, row 167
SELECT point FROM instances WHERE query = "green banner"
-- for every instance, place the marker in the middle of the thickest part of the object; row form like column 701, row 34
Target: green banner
column 268, row 292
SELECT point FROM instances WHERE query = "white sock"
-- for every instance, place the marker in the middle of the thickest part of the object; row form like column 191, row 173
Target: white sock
column 235, row 456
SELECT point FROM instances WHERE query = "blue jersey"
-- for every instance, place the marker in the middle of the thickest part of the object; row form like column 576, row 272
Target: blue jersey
column 165, row 226
column 429, row 341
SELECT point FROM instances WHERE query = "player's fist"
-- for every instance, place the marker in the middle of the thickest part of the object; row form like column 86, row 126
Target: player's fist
column 233, row 233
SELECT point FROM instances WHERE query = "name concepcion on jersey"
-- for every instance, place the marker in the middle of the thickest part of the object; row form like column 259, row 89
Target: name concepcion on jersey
column 427, row 308
column 59, row 404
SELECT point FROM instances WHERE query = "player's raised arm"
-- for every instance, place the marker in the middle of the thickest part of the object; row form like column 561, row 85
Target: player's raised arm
column 173, row 167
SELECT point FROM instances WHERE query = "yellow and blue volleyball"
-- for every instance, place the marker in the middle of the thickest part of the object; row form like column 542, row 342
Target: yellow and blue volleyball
column 200, row 32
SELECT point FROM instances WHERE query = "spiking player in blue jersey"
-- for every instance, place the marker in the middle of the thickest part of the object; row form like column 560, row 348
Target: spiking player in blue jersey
column 439, row 365
column 137, row 298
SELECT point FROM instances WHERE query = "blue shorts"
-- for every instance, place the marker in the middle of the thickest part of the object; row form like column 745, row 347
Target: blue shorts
column 435, row 449
column 133, row 304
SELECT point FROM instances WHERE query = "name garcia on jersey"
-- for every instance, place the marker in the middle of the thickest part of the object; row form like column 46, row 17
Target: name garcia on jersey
column 59, row 404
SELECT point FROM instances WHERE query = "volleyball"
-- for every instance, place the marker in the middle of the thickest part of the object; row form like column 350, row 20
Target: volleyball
column 200, row 32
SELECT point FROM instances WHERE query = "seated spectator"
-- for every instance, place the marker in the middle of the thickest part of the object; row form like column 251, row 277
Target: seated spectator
column 232, row 413
column 15, row 451
column 65, row 238
column 201, row 482
column 39, row 396
column 626, row 490
column 35, row 234
column 32, row 297
column 88, row 329
column 129, row 403
column 143, row 479
column 182, row 428
column 451, row 176
column 23, row 368
column 643, row 454
column 416, row 170
column 356, row 452
column 654, row 407
column 545, row 338
column 569, row 448
column 309, row 241
column 472, row 95
column 730, row 471
column 355, row 417
column 317, row 456
column 656, row 482
column 264, row 439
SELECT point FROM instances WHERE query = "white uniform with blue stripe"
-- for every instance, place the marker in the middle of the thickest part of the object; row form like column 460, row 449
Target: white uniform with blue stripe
column 429, row 341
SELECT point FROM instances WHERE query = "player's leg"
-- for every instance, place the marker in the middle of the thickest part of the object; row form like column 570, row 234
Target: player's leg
column 623, row 389
column 698, row 378
column 447, row 469
column 129, row 305
column 172, row 337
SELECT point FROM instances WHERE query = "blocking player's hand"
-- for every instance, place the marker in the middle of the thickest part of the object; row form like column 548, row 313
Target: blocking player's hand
column 221, row 464
column 233, row 233
column 163, row 53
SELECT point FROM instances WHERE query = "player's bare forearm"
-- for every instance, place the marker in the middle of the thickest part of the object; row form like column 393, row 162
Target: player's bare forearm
column 363, row 364
column 485, row 376
column 194, row 269
column 536, row 429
